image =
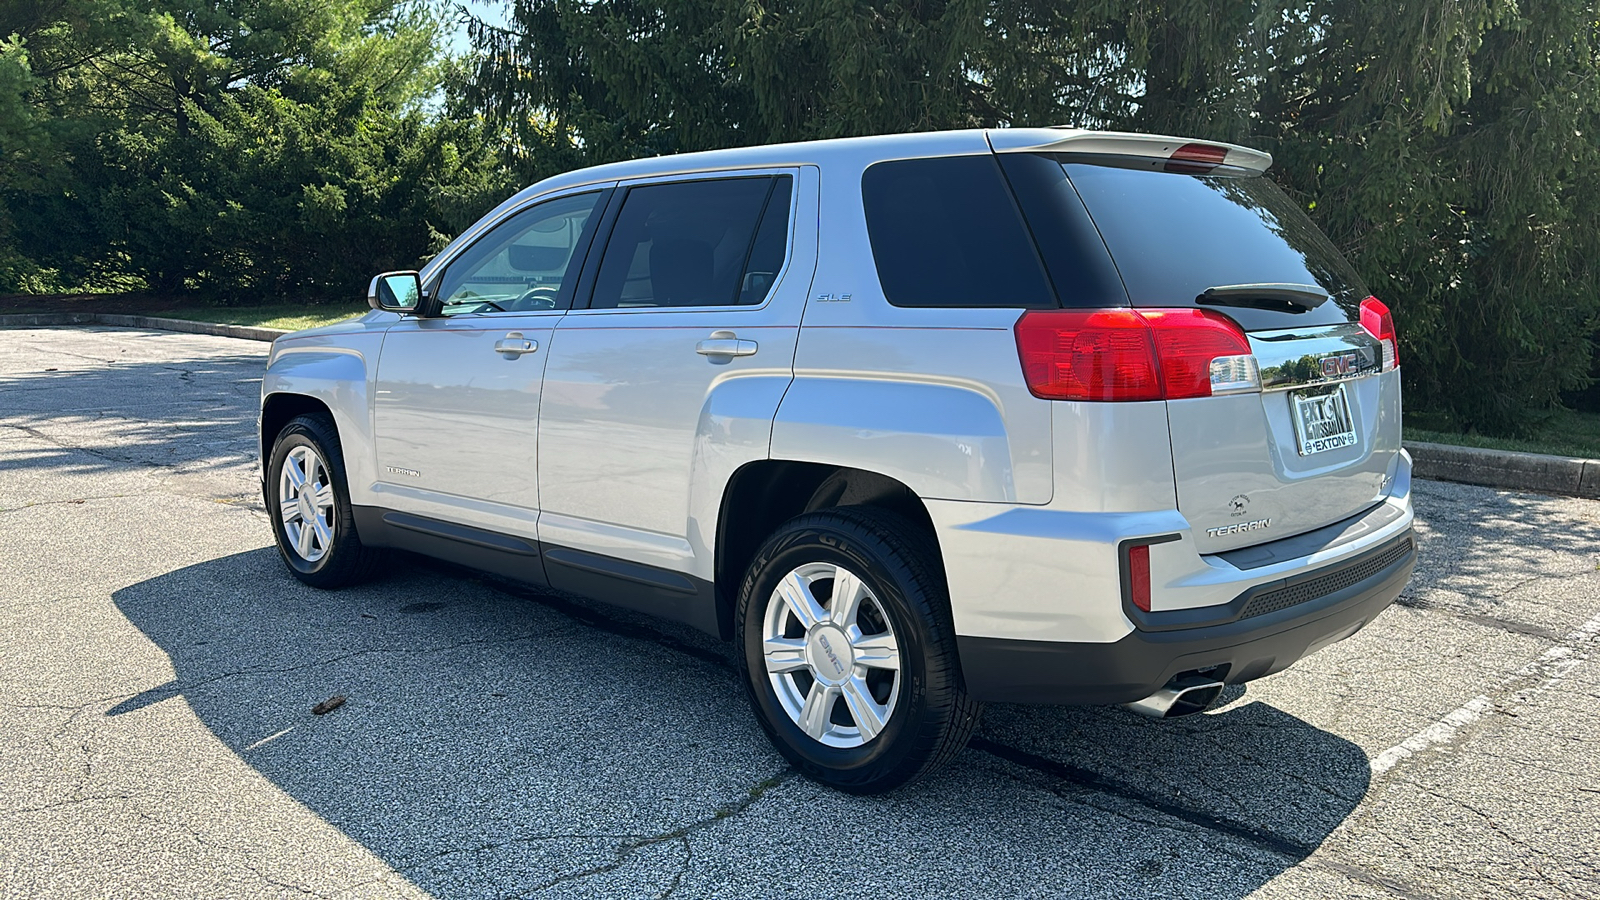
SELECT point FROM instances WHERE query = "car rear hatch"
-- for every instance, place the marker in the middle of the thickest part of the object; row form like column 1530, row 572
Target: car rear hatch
column 1195, row 227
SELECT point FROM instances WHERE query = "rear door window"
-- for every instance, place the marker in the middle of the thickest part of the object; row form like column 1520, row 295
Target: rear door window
column 770, row 247
column 1173, row 236
column 945, row 232
column 695, row 244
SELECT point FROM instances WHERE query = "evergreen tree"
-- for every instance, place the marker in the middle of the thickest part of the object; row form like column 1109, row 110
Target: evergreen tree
column 239, row 148
column 1448, row 146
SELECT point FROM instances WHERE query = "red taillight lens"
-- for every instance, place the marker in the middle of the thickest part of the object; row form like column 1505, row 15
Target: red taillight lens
column 1187, row 340
column 1379, row 323
column 1127, row 354
column 1139, row 576
column 1088, row 354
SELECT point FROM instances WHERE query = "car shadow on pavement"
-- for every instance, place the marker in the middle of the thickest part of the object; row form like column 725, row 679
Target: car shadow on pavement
column 498, row 741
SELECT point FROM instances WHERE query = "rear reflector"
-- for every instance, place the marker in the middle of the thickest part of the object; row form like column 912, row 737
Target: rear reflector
column 1377, row 321
column 1139, row 576
column 1127, row 354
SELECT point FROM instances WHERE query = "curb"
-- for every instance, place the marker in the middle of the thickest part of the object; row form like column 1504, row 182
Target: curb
column 1533, row 472
column 38, row 320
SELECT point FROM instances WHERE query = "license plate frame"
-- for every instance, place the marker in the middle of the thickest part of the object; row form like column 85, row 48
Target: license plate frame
column 1322, row 420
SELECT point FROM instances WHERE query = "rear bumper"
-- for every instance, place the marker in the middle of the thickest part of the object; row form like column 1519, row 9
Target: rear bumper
column 1140, row 663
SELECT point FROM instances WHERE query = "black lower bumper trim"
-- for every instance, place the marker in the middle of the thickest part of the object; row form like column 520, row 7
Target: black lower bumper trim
column 1019, row 671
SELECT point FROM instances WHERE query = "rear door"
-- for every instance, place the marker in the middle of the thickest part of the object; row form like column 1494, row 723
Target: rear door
column 1317, row 443
column 667, row 375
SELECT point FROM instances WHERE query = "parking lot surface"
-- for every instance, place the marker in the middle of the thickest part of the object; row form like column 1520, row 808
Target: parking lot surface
column 158, row 668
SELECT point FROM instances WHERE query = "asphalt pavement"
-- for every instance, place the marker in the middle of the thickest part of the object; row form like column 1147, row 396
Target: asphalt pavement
column 158, row 670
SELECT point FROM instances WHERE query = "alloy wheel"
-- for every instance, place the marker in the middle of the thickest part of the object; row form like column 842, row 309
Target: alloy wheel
column 831, row 655
column 305, row 503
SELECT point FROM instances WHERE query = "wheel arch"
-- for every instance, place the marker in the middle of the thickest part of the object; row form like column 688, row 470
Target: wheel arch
column 763, row 494
column 279, row 409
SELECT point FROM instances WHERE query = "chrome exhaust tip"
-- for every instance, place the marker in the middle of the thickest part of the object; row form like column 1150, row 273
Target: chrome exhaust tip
column 1183, row 696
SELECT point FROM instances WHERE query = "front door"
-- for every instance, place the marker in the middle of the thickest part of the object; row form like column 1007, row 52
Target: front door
column 668, row 377
column 456, row 404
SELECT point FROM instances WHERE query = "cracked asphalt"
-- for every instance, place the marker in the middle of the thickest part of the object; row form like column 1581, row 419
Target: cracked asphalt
column 158, row 669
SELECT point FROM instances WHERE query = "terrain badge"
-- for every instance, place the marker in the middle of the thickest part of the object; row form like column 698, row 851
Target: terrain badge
column 1239, row 528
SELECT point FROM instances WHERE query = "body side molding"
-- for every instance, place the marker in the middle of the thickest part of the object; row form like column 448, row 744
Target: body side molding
column 618, row 582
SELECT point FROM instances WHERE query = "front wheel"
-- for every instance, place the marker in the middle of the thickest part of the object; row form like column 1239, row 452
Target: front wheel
column 309, row 503
column 848, row 651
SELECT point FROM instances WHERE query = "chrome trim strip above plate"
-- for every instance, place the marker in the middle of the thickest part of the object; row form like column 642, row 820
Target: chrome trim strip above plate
column 1297, row 357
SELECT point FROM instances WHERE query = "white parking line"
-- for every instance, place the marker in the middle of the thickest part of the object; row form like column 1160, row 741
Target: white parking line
column 1551, row 666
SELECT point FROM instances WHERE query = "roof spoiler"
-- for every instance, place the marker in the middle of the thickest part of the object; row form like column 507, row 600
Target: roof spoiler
column 1155, row 151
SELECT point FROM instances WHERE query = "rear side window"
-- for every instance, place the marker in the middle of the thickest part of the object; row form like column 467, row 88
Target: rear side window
column 695, row 243
column 945, row 232
column 1074, row 255
column 1173, row 236
column 770, row 247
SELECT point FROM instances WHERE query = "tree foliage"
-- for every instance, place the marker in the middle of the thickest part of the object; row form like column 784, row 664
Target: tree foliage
column 234, row 147
column 294, row 147
column 1448, row 146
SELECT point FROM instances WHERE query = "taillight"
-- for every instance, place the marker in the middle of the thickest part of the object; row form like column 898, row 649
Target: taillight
column 1375, row 318
column 1081, row 354
column 1139, row 576
column 1129, row 354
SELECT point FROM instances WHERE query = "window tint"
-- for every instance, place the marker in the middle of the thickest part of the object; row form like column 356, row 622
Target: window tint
column 1074, row 255
column 692, row 243
column 770, row 247
column 1173, row 236
column 524, row 263
column 944, row 232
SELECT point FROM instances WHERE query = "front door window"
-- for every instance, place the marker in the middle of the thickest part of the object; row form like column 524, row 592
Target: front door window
column 525, row 264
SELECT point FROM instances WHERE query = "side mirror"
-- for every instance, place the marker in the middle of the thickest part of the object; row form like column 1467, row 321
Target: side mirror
column 399, row 292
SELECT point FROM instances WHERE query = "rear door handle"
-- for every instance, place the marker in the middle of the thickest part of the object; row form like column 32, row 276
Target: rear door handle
column 514, row 345
column 725, row 343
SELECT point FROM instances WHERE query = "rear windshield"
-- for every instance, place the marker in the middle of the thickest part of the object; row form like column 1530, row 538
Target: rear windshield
column 1173, row 236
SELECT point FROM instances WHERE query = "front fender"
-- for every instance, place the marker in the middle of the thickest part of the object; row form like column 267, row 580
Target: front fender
column 341, row 376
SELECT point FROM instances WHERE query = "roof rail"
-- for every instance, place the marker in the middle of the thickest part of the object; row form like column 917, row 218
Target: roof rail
column 1172, row 154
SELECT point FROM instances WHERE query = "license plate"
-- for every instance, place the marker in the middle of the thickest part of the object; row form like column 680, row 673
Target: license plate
column 1322, row 421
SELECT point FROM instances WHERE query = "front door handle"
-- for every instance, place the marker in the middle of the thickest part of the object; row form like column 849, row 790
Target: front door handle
column 726, row 344
column 514, row 345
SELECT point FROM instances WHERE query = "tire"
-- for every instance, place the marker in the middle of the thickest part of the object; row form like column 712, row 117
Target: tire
column 331, row 556
column 812, row 701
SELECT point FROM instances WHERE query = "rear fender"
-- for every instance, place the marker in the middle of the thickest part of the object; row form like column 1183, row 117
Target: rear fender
column 942, row 441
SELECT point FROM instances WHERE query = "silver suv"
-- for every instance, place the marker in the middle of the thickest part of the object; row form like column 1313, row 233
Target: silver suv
column 917, row 421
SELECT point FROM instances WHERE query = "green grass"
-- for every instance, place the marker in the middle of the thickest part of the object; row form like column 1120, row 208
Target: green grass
column 1565, row 433
column 287, row 316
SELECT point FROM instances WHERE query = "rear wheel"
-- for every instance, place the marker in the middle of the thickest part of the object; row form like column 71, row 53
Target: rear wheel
column 309, row 503
column 848, row 651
